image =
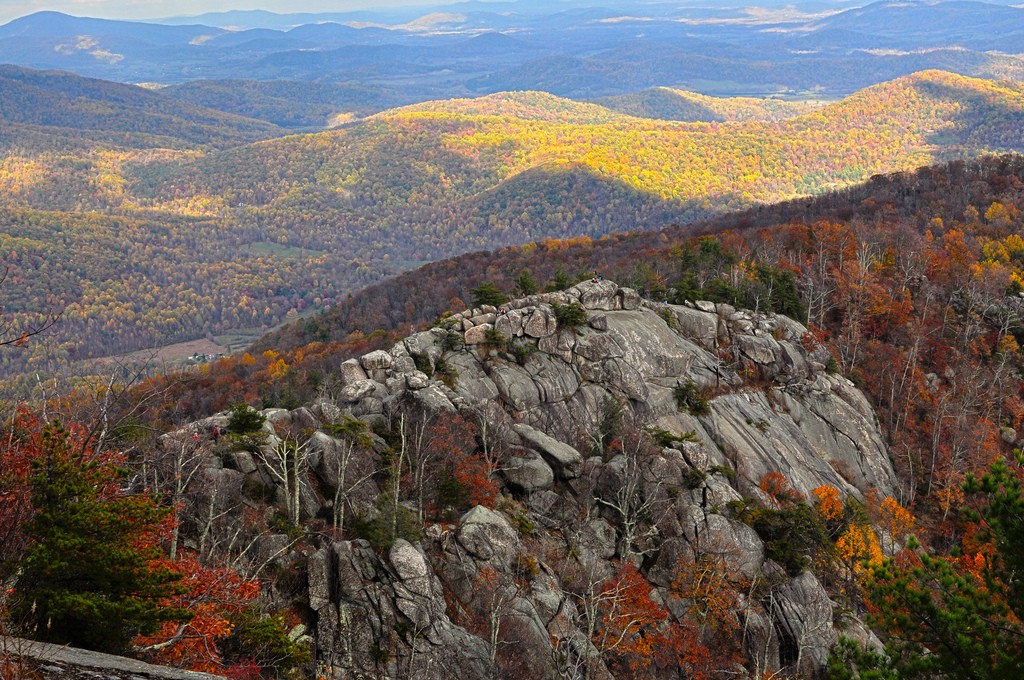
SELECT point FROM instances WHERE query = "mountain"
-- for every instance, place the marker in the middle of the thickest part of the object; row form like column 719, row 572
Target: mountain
column 538, row 106
column 564, row 408
column 289, row 103
column 59, row 26
column 273, row 230
column 928, row 24
column 656, row 64
column 714, row 454
column 665, row 103
column 574, row 50
column 58, row 104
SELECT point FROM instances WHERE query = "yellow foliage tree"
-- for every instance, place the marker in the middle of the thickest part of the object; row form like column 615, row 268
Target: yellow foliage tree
column 858, row 548
column 896, row 521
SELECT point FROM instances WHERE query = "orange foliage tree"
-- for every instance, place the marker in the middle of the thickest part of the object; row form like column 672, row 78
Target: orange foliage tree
column 828, row 503
column 635, row 634
column 213, row 595
column 776, row 487
column 707, row 590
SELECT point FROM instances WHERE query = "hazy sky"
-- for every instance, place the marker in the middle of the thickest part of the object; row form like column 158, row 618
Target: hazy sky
column 148, row 9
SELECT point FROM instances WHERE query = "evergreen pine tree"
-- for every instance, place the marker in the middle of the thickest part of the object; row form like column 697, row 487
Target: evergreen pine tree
column 525, row 284
column 487, row 294
column 90, row 577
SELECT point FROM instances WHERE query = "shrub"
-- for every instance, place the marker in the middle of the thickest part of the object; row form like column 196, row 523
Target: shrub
column 243, row 419
column 521, row 351
column 832, row 366
column 494, row 339
column 446, row 373
column 669, row 318
column 391, row 522
column 609, row 423
column 263, row 640
column 694, row 478
column 350, row 429
column 665, row 439
column 791, row 534
column 688, row 397
column 726, row 472
column 453, row 340
column 524, row 524
column 570, row 315
column 528, row 565
column 423, row 365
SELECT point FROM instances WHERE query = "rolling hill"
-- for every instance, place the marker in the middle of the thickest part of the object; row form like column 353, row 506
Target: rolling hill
column 86, row 110
column 419, row 176
column 665, row 103
column 532, row 105
column 289, row 103
column 253, row 235
column 958, row 193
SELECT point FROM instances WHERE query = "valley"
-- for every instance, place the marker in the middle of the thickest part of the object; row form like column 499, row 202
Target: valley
column 257, row 233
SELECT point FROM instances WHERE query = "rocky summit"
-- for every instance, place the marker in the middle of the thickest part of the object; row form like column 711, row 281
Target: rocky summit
column 623, row 436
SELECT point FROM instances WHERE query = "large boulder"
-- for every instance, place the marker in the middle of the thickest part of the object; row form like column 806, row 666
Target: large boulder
column 487, row 536
column 361, row 603
column 563, row 458
column 540, row 323
column 803, row 614
column 527, row 472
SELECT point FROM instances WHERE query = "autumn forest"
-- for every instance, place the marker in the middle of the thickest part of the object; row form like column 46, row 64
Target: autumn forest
column 252, row 235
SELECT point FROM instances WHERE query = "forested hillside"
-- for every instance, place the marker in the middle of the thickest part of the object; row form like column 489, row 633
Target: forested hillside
column 431, row 172
column 672, row 104
column 915, row 281
column 973, row 195
column 254, row 234
column 290, row 103
column 921, row 271
column 47, row 110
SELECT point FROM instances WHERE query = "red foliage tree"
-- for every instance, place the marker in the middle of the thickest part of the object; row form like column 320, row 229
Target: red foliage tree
column 213, row 595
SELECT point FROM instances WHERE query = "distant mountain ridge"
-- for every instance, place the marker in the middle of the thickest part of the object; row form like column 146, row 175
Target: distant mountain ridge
column 572, row 50
column 672, row 104
column 100, row 109
column 930, row 22
column 289, row 103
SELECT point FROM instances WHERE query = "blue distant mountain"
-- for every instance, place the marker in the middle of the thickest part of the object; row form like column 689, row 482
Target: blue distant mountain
column 575, row 49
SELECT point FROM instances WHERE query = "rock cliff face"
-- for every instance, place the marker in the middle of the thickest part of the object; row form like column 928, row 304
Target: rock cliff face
column 733, row 394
